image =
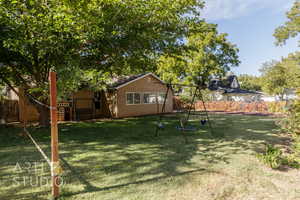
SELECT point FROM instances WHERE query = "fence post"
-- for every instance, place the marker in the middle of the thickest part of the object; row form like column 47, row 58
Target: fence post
column 54, row 136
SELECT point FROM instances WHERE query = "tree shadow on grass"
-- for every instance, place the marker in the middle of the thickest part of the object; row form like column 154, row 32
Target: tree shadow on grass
column 106, row 155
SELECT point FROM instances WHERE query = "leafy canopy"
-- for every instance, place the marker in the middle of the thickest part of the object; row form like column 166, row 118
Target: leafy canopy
column 278, row 76
column 249, row 82
column 207, row 53
column 291, row 28
column 36, row 36
column 111, row 36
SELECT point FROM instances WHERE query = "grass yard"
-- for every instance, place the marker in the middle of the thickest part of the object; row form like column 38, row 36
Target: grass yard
column 121, row 159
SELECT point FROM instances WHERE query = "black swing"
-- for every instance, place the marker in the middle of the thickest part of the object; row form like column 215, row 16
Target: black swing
column 192, row 111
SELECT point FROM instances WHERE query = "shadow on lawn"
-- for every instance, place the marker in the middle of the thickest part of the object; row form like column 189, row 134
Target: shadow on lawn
column 98, row 155
column 88, row 187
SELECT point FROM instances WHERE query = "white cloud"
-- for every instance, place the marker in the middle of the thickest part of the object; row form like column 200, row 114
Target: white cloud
column 229, row 9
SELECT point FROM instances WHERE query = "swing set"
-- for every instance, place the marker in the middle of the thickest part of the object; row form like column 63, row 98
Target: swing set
column 183, row 124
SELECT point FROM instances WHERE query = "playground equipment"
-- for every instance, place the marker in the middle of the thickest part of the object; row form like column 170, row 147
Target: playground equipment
column 184, row 125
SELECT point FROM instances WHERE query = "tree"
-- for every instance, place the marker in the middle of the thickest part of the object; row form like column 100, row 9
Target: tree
column 291, row 28
column 207, row 53
column 35, row 36
column 76, row 37
column 127, row 36
column 274, row 79
column 249, row 82
column 292, row 66
column 277, row 76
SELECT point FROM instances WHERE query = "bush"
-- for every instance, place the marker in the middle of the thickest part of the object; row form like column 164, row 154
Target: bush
column 276, row 107
column 290, row 125
column 272, row 157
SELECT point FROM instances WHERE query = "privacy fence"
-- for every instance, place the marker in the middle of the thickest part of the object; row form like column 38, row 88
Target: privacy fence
column 9, row 110
column 236, row 106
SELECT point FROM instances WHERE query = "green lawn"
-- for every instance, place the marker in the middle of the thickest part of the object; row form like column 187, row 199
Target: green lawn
column 121, row 159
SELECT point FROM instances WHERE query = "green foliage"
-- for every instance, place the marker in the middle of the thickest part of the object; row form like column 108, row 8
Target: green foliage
column 81, row 38
column 291, row 28
column 278, row 76
column 274, row 81
column 208, row 53
column 277, row 107
column 291, row 160
column 36, row 36
column 292, row 123
column 272, row 157
column 249, row 82
column 119, row 37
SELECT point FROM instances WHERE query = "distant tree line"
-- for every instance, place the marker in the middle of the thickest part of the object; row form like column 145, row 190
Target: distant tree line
column 275, row 77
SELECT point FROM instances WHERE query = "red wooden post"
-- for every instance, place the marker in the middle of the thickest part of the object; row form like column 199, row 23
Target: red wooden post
column 54, row 136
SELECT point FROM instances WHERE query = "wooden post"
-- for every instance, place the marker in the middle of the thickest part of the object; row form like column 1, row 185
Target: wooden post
column 54, row 136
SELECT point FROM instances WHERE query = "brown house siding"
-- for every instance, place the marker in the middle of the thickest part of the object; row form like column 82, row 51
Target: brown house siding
column 113, row 102
column 84, row 105
column 148, row 84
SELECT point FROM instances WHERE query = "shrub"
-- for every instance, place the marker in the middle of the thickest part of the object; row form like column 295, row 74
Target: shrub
column 291, row 125
column 272, row 157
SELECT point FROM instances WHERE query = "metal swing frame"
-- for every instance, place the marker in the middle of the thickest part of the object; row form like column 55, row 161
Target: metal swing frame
column 183, row 128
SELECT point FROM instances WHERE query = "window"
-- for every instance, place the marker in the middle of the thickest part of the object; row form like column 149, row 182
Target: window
column 133, row 98
column 149, row 98
column 161, row 97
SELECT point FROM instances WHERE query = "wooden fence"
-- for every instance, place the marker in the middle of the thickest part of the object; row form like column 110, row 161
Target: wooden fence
column 236, row 106
column 10, row 110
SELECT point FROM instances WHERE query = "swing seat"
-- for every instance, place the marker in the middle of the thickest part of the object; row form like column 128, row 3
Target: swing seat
column 160, row 126
column 203, row 122
column 187, row 128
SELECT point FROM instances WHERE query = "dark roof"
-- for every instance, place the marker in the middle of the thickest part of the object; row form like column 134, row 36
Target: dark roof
column 229, row 85
column 125, row 79
column 228, row 82
column 121, row 81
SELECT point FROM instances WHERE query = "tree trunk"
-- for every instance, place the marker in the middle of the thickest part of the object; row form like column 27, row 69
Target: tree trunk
column 44, row 115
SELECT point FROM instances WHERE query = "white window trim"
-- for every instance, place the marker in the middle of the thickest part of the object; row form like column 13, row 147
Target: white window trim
column 150, row 93
column 164, row 93
column 142, row 98
column 133, row 98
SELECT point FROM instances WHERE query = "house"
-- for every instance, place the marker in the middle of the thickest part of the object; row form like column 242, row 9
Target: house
column 129, row 96
column 229, row 89
column 138, row 95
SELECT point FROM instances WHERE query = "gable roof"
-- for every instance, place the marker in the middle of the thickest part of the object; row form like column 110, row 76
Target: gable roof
column 130, row 79
column 229, row 82
column 229, row 85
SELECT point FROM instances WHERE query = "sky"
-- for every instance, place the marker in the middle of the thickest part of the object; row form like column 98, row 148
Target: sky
column 250, row 25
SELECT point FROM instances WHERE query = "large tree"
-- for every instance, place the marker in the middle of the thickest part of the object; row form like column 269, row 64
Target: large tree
column 250, row 82
column 274, row 81
column 291, row 28
column 111, row 36
column 207, row 53
column 277, row 76
column 35, row 36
